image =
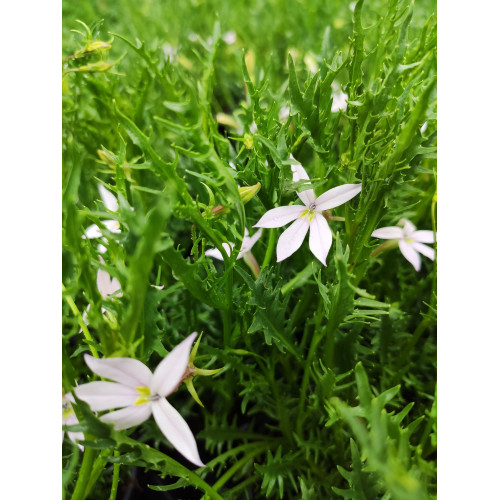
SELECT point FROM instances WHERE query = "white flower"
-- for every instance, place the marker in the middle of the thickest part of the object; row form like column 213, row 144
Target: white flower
column 105, row 284
column 69, row 418
column 229, row 37
column 253, row 128
column 307, row 216
column 246, row 245
column 340, row 98
column 111, row 203
column 284, row 113
column 138, row 393
column 409, row 240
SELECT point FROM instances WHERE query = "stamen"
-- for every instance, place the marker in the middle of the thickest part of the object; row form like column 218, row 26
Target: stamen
column 144, row 395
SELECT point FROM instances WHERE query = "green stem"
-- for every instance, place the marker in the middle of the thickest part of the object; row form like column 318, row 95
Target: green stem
column 84, row 474
column 270, row 248
column 116, row 477
column 82, row 324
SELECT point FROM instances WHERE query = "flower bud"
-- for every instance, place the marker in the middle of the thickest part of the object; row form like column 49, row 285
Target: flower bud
column 107, row 157
column 248, row 192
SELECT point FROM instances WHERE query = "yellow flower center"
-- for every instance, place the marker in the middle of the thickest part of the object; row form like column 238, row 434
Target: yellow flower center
column 309, row 213
column 67, row 410
column 409, row 240
column 144, row 395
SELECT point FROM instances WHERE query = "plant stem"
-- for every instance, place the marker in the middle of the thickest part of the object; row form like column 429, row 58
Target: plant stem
column 84, row 474
column 116, row 477
column 82, row 324
column 270, row 248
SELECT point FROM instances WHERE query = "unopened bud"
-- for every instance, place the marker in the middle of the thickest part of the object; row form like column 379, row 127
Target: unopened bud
column 96, row 46
column 220, row 210
column 99, row 67
column 248, row 141
column 107, row 158
column 248, row 192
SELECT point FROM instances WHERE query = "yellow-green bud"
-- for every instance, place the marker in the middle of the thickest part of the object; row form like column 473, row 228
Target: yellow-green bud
column 248, row 141
column 248, row 192
column 99, row 66
column 107, row 158
column 96, row 46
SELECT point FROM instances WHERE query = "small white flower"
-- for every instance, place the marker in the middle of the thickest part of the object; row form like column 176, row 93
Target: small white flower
column 229, row 37
column 409, row 240
column 253, row 128
column 69, row 418
column 170, row 51
column 140, row 393
column 111, row 203
column 246, row 245
column 307, row 216
column 423, row 128
column 106, row 285
column 340, row 98
column 284, row 113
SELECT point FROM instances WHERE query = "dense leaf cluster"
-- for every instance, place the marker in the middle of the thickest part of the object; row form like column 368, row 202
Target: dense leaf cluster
column 328, row 386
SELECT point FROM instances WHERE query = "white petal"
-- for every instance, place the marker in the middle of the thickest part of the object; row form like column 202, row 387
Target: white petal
column 291, row 239
column 106, row 395
column 108, row 198
column 388, row 233
column 176, row 430
column 424, row 250
column 408, row 227
column 280, row 216
column 423, row 236
column 213, row 252
column 410, row 254
column 77, row 436
column 93, row 231
column 128, row 417
column 169, row 372
column 106, row 285
column 126, row 371
column 337, row 196
column 299, row 174
column 320, row 238
column 112, row 226
column 248, row 243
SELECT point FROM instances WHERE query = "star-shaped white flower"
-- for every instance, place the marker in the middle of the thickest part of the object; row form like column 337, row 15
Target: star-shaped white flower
column 307, row 216
column 111, row 203
column 69, row 418
column 138, row 393
column 246, row 245
column 410, row 241
column 106, row 284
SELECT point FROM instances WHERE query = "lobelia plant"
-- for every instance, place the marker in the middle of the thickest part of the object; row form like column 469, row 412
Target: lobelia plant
column 185, row 124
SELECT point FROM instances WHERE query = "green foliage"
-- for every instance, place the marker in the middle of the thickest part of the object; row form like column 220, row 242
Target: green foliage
column 328, row 382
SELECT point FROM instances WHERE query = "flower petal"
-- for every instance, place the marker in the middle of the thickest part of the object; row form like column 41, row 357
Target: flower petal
column 169, row 372
column 128, row 417
column 213, row 252
column 77, row 435
column 249, row 242
column 291, row 239
column 126, row 371
column 320, row 238
column 337, row 196
column 423, row 236
column 408, row 227
column 106, row 395
column 280, row 216
column 410, row 254
column 424, row 250
column 106, row 285
column 92, row 232
column 112, row 225
column 299, row 174
column 176, row 430
column 388, row 233
column 108, row 198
